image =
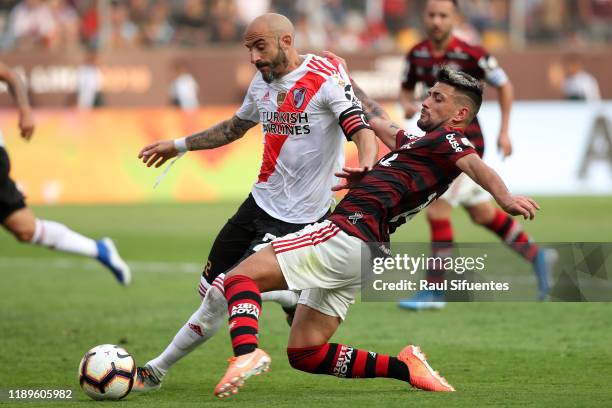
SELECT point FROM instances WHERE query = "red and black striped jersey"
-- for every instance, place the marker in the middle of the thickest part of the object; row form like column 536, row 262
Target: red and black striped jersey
column 402, row 183
column 422, row 65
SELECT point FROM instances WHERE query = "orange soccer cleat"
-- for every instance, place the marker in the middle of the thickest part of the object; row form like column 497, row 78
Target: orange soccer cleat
column 422, row 376
column 240, row 369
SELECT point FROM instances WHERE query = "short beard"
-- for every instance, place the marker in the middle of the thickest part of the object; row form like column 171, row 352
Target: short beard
column 280, row 60
column 428, row 126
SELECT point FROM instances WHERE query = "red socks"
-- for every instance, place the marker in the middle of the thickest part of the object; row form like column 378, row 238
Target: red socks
column 512, row 233
column 346, row 362
column 244, row 307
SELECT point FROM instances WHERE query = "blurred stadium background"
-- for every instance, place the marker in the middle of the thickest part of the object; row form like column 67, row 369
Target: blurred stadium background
column 106, row 77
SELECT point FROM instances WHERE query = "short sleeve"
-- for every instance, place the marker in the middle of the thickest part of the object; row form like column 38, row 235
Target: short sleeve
column 338, row 95
column 492, row 72
column 456, row 146
column 400, row 138
column 248, row 110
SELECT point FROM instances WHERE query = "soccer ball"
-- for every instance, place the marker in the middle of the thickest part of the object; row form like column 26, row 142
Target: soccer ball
column 107, row 372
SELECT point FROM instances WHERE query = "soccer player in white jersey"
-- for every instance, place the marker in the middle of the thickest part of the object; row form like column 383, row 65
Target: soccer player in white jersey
column 307, row 110
column 19, row 220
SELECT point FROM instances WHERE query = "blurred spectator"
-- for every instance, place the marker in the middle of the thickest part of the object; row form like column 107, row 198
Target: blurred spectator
column 184, row 88
column 67, row 21
column 158, row 31
column 546, row 20
column 578, row 84
column 122, row 32
column 139, row 12
column 286, row 8
column 31, row 25
column 192, row 24
column 89, row 89
column 248, row 10
column 597, row 16
column 225, row 26
column 90, row 24
column 395, row 13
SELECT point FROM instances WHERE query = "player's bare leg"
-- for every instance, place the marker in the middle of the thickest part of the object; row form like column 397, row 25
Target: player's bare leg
column 512, row 233
column 50, row 234
column 439, row 220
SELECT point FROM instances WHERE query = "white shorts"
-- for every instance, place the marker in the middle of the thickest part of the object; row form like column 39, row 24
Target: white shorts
column 466, row 192
column 323, row 262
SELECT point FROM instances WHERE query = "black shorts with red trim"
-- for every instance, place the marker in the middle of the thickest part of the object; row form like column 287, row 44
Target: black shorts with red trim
column 242, row 235
column 11, row 198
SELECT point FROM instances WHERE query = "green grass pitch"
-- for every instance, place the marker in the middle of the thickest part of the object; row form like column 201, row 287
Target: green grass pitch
column 54, row 307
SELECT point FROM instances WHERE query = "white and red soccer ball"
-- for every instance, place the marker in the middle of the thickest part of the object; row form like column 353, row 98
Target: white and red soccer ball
column 107, row 372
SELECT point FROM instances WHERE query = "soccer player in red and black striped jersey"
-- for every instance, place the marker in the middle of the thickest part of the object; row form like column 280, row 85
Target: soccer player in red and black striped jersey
column 323, row 260
column 423, row 61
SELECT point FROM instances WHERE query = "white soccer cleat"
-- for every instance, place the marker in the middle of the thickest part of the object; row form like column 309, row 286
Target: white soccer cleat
column 110, row 258
column 146, row 380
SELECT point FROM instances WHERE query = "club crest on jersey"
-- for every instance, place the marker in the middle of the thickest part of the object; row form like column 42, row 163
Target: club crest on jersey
column 280, row 98
column 299, row 96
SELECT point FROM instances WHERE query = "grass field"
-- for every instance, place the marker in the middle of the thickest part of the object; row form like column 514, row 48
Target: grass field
column 55, row 307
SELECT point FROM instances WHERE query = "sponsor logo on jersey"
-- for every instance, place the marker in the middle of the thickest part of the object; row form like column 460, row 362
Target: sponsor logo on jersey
column 299, row 96
column 285, row 123
column 245, row 308
column 454, row 143
column 266, row 97
column 280, row 98
column 342, row 364
column 386, row 161
column 355, row 217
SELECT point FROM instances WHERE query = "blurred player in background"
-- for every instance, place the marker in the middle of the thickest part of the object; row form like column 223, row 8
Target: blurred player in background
column 324, row 259
column 422, row 64
column 19, row 220
column 307, row 108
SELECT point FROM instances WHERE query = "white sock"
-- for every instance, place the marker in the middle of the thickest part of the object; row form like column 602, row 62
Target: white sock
column 201, row 326
column 57, row 236
column 286, row 298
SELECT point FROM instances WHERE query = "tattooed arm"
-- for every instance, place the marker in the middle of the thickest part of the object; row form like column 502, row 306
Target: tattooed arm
column 379, row 120
column 219, row 135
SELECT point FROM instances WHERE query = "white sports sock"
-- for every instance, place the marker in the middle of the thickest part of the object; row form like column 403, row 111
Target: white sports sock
column 286, row 298
column 57, row 236
column 201, row 326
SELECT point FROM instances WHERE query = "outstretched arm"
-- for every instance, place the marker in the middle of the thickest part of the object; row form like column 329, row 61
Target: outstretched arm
column 219, row 135
column 18, row 90
column 484, row 175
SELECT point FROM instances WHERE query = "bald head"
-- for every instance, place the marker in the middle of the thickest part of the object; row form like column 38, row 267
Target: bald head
column 269, row 39
column 269, row 25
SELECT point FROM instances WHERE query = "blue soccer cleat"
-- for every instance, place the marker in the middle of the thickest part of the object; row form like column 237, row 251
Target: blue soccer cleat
column 542, row 266
column 109, row 257
column 424, row 300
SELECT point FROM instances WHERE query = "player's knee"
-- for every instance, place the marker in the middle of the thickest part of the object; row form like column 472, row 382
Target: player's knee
column 481, row 216
column 23, row 233
column 307, row 359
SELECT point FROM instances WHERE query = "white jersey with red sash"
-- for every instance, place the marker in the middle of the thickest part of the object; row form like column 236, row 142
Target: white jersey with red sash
column 305, row 116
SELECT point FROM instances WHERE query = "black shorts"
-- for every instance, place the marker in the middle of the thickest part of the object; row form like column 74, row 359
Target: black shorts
column 11, row 198
column 249, row 227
